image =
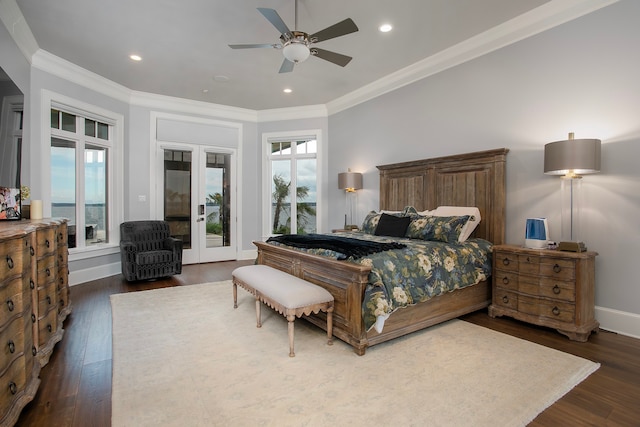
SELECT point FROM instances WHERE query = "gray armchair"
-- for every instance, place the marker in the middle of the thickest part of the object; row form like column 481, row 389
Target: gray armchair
column 147, row 250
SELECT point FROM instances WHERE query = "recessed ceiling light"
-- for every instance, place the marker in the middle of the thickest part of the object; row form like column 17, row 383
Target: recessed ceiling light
column 135, row 57
column 205, row 90
column 287, row 90
column 385, row 28
column 221, row 78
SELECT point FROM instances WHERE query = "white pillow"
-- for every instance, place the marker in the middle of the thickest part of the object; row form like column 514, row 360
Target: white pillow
column 472, row 211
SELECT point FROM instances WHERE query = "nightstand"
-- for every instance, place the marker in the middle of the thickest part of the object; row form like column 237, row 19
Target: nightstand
column 545, row 287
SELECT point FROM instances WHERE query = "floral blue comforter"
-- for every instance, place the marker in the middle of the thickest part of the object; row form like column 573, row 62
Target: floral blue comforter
column 416, row 273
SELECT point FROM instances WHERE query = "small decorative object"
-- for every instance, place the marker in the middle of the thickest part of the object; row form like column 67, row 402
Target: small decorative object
column 36, row 209
column 9, row 203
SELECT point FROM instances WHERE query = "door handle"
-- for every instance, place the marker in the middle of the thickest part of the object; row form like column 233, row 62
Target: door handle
column 199, row 219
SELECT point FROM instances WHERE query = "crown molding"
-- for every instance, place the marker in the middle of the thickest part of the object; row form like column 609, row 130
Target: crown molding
column 540, row 19
column 162, row 102
column 12, row 18
column 293, row 113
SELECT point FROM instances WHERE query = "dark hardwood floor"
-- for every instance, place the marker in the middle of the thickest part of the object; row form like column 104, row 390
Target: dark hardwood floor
column 76, row 384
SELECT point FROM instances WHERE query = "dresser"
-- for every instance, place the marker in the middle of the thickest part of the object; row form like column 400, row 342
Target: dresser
column 545, row 287
column 34, row 292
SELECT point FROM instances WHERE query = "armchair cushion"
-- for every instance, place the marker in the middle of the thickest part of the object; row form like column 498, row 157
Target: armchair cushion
column 147, row 250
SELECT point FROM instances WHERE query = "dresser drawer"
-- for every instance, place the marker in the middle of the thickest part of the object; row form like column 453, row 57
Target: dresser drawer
column 46, row 271
column 46, row 241
column 556, row 310
column 12, row 383
column 14, row 257
column 529, row 264
column 47, row 298
column 11, row 342
column 47, row 326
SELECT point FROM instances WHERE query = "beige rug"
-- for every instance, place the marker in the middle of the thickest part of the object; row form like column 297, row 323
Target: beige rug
column 183, row 356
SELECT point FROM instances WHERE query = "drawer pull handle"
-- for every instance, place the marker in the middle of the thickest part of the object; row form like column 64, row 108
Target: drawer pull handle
column 34, row 351
column 555, row 311
column 557, row 268
column 12, row 347
column 46, row 243
column 33, row 318
column 32, row 251
column 49, row 328
column 48, row 272
column 31, row 284
column 556, row 289
column 13, row 388
column 61, row 303
column 10, row 305
column 505, row 280
column 506, row 261
column 528, row 259
column 48, row 300
column 505, row 299
column 9, row 262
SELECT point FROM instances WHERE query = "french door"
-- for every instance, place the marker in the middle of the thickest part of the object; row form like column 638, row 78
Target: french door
column 197, row 197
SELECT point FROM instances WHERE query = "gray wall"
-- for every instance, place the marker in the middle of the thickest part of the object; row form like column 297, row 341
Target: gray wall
column 580, row 77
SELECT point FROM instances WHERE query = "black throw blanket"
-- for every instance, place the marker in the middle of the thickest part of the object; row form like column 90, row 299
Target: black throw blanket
column 347, row 246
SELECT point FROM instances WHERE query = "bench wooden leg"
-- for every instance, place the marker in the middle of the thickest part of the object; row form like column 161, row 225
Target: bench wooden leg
column 330, row 326
column 291, row 318
column 235, row 295
column 258, row 304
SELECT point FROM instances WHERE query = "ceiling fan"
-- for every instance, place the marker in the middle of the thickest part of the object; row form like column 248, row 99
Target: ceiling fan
column 297, row 46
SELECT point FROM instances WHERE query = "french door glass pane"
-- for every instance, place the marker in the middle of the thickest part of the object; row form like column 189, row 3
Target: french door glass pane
column 218, row 221
column 63, row 184
column 280, row 197
column 306, row 196
column 177, row 194
column 95, row 195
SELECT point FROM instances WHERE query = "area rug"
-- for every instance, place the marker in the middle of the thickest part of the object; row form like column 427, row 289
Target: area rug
column 182, row 356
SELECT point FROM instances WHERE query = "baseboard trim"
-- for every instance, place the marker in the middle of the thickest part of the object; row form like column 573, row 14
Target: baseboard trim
column 93, row 273
column 620, row 322
column 248, row 254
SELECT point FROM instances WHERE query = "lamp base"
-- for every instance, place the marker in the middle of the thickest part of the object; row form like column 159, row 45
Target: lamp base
column 572, row 246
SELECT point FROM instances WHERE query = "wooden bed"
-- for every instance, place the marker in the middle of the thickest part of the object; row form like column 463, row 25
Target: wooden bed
column 473, row 179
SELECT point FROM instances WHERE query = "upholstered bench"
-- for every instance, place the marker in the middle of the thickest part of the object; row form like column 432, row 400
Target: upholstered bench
column 288, row 295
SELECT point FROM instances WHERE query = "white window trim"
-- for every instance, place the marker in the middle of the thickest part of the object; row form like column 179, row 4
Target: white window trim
column 269, row 137
column 115, row 191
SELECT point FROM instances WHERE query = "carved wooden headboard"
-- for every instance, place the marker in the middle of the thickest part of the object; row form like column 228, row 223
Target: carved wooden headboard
column 472, row 179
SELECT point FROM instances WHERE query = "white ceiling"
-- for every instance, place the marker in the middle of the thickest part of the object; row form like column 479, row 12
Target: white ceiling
column 184, row 43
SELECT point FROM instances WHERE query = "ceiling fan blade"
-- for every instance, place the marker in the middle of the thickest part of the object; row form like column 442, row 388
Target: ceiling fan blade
column 327, row 55
column 252, row 46
column 340, row 29
column 273, row 17
column 286, row 67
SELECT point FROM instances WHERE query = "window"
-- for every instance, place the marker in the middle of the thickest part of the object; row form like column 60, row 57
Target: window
column 80, row 169
column 292, row 164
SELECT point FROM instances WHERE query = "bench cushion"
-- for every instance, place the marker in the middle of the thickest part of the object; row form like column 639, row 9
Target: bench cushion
column 288, row 290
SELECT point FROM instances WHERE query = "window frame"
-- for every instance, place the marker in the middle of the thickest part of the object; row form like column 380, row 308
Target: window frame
column 267, row 140
column 115, row 166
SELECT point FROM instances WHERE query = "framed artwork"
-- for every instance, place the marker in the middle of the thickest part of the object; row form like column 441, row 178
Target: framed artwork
column 9, row 203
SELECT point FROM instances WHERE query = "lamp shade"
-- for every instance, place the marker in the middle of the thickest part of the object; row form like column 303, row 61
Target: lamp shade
column 350, row 181
column 572, row 157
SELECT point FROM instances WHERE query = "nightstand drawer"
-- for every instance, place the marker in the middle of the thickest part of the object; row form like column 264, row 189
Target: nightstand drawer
column 555, row 310
column 506, row 261
column 506, row 299
column 547, row 287
column 506, row 279
column 562, row 269
column 529, row 264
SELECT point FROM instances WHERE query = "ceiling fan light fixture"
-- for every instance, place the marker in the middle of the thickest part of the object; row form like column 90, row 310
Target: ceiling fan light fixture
column 296, row 51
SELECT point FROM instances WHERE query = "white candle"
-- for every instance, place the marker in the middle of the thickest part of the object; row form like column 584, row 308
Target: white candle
column 36, row 209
